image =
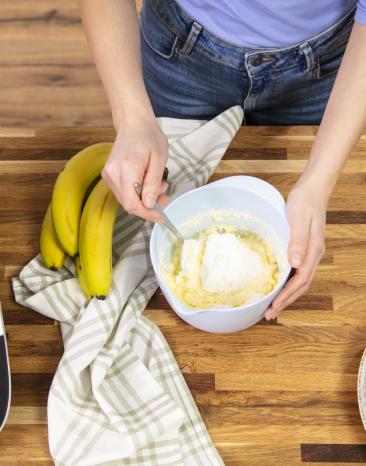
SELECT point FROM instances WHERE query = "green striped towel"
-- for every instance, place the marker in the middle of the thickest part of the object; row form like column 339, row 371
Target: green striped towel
column 118, row 396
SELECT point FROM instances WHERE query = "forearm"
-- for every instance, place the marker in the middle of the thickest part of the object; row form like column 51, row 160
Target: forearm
column 113, row 34
column 344, row 119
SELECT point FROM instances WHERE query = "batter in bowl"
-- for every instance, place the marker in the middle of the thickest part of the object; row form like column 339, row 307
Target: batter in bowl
column 222, row 267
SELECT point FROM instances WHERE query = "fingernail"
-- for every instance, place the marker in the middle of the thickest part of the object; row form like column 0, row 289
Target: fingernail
column 296, row 260
column 149, row 200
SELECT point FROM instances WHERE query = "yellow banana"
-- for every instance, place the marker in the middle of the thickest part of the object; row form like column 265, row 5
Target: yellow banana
column 70, row 190
column 95, row 242
column 52, row 254
column 81, row 277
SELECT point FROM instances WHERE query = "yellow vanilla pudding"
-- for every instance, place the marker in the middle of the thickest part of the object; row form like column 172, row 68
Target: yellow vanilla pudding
column 222, row 266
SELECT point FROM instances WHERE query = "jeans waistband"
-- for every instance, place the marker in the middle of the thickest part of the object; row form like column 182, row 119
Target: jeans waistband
column 183, row 25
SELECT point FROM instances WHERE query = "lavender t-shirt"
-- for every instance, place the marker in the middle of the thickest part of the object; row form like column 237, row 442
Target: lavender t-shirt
column 270, row 23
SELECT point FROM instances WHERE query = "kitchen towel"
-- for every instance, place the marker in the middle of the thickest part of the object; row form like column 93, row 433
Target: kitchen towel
column 118, row 396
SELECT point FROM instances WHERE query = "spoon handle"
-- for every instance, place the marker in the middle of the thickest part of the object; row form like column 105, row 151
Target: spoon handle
column 138, row 186
column 168, row 223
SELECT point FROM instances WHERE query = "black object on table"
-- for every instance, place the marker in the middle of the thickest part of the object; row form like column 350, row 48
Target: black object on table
column 5, row 385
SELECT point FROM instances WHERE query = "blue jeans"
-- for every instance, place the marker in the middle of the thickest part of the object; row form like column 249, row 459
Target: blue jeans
column 191, row 73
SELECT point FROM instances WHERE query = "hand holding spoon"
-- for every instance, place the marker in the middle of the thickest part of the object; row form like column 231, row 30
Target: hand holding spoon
column 167, row 222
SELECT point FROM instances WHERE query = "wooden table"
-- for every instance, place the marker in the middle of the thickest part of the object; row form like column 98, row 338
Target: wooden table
column 278, row 394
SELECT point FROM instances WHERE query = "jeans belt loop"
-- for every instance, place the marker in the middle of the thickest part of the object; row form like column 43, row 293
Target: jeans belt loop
column 306, row 50
column 191, row 39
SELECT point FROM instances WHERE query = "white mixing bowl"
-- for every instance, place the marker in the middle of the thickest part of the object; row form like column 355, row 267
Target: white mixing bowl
column 264, row 211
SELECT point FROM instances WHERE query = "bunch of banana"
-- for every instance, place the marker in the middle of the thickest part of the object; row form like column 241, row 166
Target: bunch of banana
column 80, row 220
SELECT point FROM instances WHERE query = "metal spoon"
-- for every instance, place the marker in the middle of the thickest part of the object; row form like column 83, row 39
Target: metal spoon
column 167, row 222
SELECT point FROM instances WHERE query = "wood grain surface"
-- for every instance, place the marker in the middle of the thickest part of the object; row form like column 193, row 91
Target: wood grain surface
column 47, row 73
column 279, row 394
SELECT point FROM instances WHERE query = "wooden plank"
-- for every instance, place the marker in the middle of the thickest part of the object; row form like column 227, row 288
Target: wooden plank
column 318, row 416
column 240, row 455
column 346, row 217
column 158, row 301
column 278, row 166
column 278, row 399
column 33, row 364
column 200, row 382
column 25, row 167
column 21, row 443
column 12, row 132
column 29, row 463
column 327, row 453
column 30, row 389
column 256, row 154
column 27, row 415
column 295, row 381
column 245, row 434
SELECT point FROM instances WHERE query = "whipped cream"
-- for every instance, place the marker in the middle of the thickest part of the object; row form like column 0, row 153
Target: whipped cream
column 190, row 261
column 228, row 264
column 222, row 267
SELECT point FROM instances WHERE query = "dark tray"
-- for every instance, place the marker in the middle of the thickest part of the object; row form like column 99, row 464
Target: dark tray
column 5, row 384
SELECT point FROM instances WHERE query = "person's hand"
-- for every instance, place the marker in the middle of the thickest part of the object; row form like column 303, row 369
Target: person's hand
column 139, row 155
column 306, row 210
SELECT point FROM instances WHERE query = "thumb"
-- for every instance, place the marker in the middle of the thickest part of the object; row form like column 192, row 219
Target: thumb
column 299, row 237
column 152, row 181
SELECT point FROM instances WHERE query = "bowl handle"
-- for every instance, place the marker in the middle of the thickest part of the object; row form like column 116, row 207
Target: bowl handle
column 257, row 186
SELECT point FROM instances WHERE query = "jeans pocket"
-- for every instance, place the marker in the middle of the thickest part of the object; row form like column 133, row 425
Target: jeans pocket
column 329, row 59
column 155, row 34
column 329, row 64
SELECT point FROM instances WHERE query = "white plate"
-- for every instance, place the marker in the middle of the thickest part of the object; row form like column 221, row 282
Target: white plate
column 361, row 389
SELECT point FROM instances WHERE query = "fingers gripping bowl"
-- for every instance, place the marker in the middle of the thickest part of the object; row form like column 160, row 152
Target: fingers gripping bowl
column 238, row 204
